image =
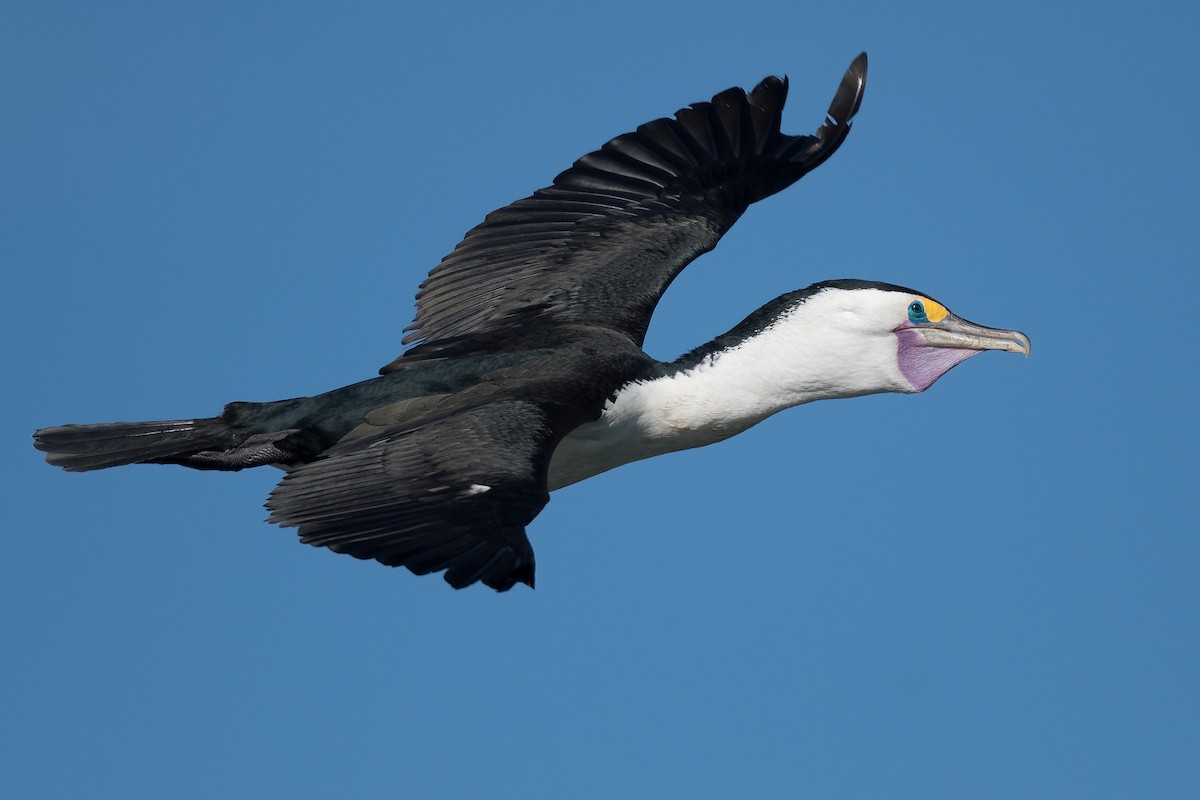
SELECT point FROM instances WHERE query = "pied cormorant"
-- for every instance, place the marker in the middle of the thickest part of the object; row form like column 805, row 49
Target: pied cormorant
column 526, row 371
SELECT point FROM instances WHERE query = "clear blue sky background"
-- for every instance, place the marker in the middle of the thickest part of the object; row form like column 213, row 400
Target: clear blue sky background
column 985, row 591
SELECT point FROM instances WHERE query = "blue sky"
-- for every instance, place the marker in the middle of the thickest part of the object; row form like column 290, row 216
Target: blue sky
column 987, row 591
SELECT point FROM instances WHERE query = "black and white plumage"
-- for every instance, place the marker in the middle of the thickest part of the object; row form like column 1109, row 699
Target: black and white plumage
column 526, row 371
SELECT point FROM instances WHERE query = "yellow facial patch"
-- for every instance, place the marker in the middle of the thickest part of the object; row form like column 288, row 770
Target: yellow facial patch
column 935, row 311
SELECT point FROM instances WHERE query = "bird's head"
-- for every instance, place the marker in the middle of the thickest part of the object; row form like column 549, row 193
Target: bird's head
column 861, row 337
column 931, row 340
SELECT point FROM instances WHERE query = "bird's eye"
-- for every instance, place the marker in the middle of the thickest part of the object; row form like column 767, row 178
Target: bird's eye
column 916, row 312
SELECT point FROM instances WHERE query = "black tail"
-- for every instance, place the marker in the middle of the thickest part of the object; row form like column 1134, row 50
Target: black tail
column 77, row 448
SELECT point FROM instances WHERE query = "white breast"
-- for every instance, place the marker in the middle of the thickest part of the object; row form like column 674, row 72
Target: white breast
column 719, row 398
column 643, row 421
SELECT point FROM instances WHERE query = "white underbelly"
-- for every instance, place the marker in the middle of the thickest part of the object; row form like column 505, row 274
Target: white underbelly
column 600, row 446
column 645, row 420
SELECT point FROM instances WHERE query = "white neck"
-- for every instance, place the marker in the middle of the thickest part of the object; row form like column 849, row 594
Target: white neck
column 803, row 356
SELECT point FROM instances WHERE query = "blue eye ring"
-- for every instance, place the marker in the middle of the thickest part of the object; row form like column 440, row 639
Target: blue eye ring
column 916, row 312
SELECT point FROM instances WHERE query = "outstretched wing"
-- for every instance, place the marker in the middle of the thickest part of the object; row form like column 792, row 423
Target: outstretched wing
column 601, row 245
column 452, row 493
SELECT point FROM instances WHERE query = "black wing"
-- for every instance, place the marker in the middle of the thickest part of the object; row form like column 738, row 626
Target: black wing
column 453, row 493
column 601, row 245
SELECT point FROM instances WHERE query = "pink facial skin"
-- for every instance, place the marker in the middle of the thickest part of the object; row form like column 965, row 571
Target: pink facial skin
column 922, row 364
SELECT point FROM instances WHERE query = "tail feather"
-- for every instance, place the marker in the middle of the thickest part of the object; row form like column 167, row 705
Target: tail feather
column 77, row 448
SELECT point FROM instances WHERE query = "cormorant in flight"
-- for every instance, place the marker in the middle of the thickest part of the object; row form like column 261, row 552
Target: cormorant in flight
column 526, row 371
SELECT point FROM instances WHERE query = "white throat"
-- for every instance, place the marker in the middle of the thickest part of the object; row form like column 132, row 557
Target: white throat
column 813, row 352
